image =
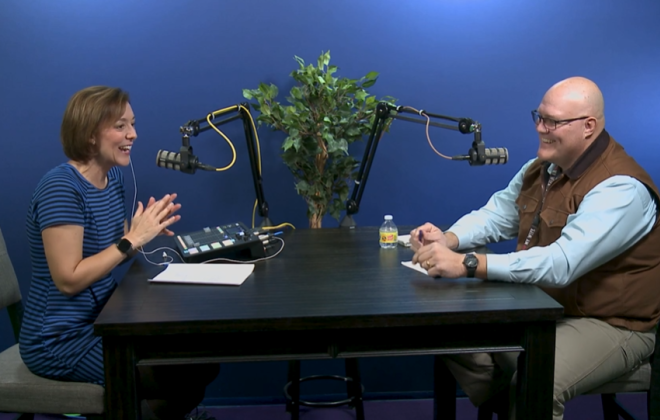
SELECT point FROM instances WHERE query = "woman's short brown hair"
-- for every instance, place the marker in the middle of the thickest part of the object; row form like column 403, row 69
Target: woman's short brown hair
column 88, row 112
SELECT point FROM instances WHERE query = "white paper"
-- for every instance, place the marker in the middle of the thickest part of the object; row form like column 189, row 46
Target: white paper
column 417, row 267
column 404, row 240
column 227, row 274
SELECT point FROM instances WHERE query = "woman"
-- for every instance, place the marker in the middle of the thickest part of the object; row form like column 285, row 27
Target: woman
column 78, row 233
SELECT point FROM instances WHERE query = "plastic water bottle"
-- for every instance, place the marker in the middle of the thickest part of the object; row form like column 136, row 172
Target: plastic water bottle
column 388, row 233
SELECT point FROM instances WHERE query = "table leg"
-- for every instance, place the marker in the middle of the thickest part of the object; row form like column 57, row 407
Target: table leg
column 536, row 370
column 444, row 391
column 121, row 399
column 355, row 386
column 293, row 406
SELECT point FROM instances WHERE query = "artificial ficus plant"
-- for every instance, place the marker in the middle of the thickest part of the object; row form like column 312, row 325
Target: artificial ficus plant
column 324, row 115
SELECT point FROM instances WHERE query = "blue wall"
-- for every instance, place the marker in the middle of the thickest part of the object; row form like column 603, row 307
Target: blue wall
column 488, row 60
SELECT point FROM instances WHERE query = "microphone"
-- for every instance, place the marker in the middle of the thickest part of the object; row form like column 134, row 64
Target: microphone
column 183, row 161
column 480, row 155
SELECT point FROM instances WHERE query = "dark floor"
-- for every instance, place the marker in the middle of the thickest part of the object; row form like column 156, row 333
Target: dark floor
column 582, row 408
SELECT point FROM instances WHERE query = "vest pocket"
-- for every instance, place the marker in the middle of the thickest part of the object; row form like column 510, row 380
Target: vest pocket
column 554, row 218
column 552, row 223
column 527, row 206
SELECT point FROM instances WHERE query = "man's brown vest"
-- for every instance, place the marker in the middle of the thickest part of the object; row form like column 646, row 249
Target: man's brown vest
column 623, row 292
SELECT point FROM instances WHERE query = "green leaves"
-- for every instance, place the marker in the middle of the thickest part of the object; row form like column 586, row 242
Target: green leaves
column 295, row 93
column 361, row 95
column 263, row 88
column 324, row 115
column 369, row 83
column 324, row 60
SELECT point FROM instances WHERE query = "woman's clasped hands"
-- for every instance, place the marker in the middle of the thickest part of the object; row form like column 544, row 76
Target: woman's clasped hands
column 153, row 220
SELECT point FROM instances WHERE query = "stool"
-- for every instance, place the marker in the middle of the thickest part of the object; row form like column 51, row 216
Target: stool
column 354, row 389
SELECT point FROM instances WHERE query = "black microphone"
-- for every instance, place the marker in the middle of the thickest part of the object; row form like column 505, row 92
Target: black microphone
column 485, row 156
column 183, row 161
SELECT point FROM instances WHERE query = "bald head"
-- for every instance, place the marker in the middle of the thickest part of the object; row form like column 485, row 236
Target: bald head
column 576, row 110
column 579, row 95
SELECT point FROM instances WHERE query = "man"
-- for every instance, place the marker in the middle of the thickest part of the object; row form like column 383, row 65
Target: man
column 585, row 216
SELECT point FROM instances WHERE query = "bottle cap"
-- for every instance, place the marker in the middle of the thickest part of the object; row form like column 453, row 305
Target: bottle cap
column 388, row 217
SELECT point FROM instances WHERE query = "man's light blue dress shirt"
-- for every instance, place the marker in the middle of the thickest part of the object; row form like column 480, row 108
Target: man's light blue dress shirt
column 612, row 217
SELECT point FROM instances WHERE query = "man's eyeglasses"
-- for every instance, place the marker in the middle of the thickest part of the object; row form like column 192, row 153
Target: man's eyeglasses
column 551, row 124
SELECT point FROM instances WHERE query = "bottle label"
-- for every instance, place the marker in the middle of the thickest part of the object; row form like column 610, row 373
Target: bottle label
column 388, row 237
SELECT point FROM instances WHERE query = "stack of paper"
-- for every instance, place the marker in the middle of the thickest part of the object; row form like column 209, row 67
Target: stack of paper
column 228, row 274
column 417, row 267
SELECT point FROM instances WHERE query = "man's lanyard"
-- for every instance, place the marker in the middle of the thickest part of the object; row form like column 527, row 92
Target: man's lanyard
column 537, row 218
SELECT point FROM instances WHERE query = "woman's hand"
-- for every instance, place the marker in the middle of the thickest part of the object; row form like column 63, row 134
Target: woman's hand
column 153, row 220
column 173, row 210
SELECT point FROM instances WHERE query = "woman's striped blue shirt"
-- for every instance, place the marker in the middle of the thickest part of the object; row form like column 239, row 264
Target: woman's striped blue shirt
column 57, row 331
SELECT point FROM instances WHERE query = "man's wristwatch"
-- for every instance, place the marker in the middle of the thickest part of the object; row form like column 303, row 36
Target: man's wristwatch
column 124, row 245
column 471, row 262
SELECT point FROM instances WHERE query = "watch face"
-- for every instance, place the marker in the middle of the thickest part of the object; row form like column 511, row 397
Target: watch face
column 471, row 261
column 124, row 245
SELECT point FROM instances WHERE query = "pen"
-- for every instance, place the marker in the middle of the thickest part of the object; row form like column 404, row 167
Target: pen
column 420, row 235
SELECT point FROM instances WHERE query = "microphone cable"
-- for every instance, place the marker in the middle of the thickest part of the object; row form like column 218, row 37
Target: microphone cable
column 256, row 139
column 239, row 108
column 428, row 137
column 233, row 150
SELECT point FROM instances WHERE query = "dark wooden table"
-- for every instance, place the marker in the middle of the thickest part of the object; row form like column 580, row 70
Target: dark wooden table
column 330, row 293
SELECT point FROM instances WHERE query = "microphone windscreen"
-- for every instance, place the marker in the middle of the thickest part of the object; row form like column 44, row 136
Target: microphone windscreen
column 496, row 156
column 168, row 160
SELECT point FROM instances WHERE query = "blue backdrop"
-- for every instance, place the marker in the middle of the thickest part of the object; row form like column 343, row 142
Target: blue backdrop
column 487, row 60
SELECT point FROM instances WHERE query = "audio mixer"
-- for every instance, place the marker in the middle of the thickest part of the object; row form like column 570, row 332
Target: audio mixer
column 232, row 241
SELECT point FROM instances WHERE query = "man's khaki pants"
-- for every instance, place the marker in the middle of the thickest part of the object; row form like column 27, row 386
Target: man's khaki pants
column 588, row 353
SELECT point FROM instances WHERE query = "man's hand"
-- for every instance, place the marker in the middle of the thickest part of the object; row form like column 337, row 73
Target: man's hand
column 440, row 261
column 427, row 234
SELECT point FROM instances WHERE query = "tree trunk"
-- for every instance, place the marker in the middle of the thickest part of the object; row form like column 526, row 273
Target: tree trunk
column 315, row 221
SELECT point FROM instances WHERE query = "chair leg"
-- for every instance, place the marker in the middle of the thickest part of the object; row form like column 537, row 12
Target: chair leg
column 497, row 404
column 653, row 404
column 444, row 391
column 609, row 407
column 351, row 379
column 485, row 412
column 612, row 409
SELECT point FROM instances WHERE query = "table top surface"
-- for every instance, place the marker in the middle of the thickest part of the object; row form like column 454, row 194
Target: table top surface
column 322, row 278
